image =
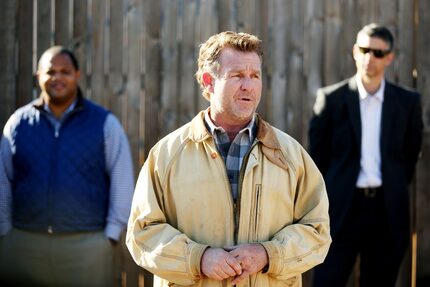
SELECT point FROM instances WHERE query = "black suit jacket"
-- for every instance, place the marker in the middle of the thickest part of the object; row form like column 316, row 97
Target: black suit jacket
column 335, row 146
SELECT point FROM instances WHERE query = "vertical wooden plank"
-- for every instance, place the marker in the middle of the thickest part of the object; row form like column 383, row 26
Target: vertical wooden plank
column 80, row 35
column 133, row 92
column 44, row 26
column 295, row 83
column 386, row 14
column 63, row 22
column 246, row 15
column 133, row 108
column 226, row 15
column 98, row 53
column 7, row 59
column 206, row 25
column 152, row 74
column 188, row 88
column 263, row 32
column 423, row 169
column 269, row 63
column 24, row 79
column 169, row 88
column 333, row 35
column 351, row 25
column 279, row 60
column 402, row 73
column 403, row 67
column 312, row 56
column 116, row 85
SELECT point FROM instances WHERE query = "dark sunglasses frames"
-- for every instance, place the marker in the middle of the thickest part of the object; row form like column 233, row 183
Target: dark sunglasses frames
column 376, row 52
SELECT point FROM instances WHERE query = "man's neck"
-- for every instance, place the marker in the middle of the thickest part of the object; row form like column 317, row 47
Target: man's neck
column 56, row 107
column 231, row 129
column 371, row 85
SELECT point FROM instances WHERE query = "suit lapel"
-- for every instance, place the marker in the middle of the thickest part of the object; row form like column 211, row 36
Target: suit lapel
column 354, row 109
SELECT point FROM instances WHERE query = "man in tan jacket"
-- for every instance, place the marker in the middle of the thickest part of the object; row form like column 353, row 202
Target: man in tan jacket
column 228, row 199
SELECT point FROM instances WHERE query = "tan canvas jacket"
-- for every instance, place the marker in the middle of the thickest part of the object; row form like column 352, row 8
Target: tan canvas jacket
column 183, row 204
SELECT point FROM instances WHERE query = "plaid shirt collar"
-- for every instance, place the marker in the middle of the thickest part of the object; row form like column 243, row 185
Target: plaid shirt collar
column 233, row 152
column 213, row 129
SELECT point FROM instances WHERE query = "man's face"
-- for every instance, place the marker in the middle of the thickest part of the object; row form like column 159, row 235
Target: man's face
column 236, row 91
column 58, row 78
column 369, row 66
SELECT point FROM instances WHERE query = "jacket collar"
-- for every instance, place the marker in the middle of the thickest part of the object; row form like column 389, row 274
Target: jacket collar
column 265, row 135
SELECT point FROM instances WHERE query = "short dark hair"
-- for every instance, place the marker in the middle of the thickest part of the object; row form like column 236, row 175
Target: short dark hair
column 57, row 50
column 378, row 31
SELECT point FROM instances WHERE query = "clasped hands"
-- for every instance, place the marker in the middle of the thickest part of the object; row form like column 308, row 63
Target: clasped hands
column 238, row 261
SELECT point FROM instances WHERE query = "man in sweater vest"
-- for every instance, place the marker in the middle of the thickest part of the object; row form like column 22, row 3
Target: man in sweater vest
column 66, row 184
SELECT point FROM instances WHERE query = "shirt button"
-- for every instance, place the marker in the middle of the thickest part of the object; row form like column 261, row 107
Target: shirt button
column 214, row 155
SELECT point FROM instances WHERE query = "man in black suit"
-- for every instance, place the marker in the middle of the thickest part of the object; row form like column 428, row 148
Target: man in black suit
column 365, row 136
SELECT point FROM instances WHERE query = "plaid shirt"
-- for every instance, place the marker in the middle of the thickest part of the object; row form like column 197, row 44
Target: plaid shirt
column 232, row 152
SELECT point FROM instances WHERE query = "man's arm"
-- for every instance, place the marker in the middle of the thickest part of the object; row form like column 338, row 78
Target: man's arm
column 303, row 244
column 6, row 175
column 413, row 138
column 320, row 133
column 119, row 166
column 153, row 243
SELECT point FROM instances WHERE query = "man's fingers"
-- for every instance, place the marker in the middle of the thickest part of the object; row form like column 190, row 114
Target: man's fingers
column 230, row 248
column 235, row 266
column 223, row 274
column 239, row 278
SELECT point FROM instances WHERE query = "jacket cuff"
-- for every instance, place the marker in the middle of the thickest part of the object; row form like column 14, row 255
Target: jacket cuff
column 275, row 257
column 195, row 251
column 113, row 231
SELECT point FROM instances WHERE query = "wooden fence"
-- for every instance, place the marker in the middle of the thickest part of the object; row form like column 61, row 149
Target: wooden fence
column 138, row 59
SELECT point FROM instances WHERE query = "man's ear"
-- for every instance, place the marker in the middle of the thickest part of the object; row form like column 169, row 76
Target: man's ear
column 354, row 51
column 389, row 59
column 208, row 81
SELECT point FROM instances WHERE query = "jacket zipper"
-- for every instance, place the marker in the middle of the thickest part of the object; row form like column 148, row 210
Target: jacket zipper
column 54, row 156
column 239, row 192
column 254, row 236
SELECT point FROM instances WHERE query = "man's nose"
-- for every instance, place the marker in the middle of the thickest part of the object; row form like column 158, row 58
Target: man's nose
column 246, row 83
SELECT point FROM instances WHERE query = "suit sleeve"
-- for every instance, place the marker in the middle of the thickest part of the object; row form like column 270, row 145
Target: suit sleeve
column 413, row 137
column 320, row 132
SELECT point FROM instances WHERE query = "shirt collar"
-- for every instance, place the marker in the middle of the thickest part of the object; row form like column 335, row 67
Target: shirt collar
column 364, row 94
column 68, row 110
column 213, row 128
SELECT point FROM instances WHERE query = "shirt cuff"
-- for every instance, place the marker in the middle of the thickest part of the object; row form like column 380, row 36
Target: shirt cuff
column 113, row 231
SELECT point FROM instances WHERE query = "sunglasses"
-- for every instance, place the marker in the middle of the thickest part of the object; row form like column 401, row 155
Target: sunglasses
column 376, row 52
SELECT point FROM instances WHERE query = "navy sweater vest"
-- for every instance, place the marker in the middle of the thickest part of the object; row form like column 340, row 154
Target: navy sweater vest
column 60, row 183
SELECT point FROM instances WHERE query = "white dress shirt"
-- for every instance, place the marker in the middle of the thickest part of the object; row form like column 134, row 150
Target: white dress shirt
column 370, row 113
